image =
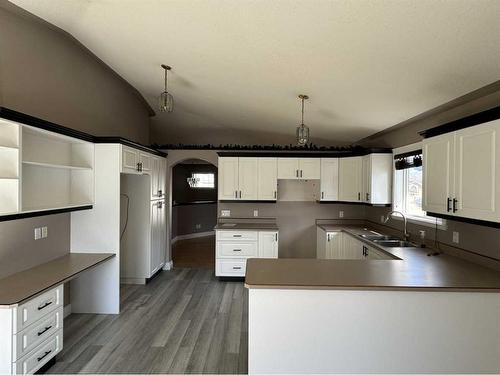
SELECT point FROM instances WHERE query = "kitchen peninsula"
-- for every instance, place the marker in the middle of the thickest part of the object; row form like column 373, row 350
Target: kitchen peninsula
column 378, row 316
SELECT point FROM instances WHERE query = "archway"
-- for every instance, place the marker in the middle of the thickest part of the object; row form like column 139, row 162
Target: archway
column 192, row 209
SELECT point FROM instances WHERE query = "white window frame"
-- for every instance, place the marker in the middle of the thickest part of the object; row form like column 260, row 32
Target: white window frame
column 427, row 221
column 204, row 187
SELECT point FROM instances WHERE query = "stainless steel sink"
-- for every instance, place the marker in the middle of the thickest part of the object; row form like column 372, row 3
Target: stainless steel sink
column 379, row 237
column 393, row 243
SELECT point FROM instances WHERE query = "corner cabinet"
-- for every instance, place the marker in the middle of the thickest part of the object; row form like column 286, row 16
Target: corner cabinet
column 462, row 173
column 247, row 178
column 234, row 247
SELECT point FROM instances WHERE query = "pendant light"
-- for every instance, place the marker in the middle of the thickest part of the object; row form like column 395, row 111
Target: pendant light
column 166, row 100
column 302, row 130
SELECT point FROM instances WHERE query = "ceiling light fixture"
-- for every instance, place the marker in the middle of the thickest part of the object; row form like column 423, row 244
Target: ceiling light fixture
column 166, row 100
column 302, row 130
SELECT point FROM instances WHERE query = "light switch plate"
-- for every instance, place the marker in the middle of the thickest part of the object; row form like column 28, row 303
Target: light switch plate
column 341, row 214
column 45, row 232
column 255, row 213
column 456, row 237
column 225, row 213
column 38, row 233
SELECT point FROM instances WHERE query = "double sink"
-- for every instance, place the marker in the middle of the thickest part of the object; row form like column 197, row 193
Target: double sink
column 386, row 241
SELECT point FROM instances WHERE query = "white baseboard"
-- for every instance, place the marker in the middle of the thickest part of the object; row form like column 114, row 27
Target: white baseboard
column 67, row 311
column 191, row 236
column 168, row 266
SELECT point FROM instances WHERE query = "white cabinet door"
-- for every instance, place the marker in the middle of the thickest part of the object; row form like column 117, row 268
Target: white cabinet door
column 228, row 178
column 350, row 181
column 247, row 178
column 329, row 179
column 377, row 178
column 438, row 166
column 130, row 160
column 334, row 245
column 366, row 173
column 309, row 168
column 268, row 244
column 267, row 179
column 288, row 168
column 477, row 172
column 145, row 161
column 352, row 248
column 155, row 177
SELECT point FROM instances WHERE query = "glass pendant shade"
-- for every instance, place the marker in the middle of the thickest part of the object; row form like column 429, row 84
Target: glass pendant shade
column 302, row 135
column 166, row 102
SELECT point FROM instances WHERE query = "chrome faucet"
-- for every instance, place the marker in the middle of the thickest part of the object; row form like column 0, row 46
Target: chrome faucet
column 389, row 215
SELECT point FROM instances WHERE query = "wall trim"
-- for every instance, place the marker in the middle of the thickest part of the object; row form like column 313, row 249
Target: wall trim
column 67, row 311
column 192, row 235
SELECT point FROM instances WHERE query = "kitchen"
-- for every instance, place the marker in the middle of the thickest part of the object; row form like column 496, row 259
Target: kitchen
column 346, row 221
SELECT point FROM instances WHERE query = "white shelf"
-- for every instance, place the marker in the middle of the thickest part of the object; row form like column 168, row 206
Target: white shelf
column 47, row 208
column 51, row 165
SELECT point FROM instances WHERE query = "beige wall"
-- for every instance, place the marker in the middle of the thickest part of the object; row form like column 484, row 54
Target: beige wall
column 49, row 75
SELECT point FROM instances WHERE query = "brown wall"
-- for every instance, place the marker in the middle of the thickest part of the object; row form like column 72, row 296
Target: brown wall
column 186, row 218
column 182, row 193
column 45, row 73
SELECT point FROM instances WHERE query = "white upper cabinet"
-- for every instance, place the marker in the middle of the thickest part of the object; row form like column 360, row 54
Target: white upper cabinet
column 299, row 168
column 158, row 177
column 438, row 158
column 288, row 168
column 377, row 178
column 350, row 179
column 228, row 188
column 329, row 179
column 247, row 178
column 145, row 161
column 268, row 244
column 267, row 179
column 462, row 173
column 130, row 160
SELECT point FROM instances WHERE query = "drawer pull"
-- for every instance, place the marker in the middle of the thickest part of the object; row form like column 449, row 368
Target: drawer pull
column 44, row 306
column 236, row 235
column 236, row 249
column 236, row 268
column 44, row 330
column 43, row 356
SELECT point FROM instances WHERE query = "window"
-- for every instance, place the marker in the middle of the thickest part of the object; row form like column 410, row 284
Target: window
column 408, row 187
column 202, row 181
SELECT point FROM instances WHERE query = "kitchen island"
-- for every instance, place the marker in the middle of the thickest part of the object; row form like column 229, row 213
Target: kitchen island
column 416, row 313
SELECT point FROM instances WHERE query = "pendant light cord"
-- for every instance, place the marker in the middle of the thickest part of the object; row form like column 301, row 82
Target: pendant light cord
column 166, row 81
column 302, row 111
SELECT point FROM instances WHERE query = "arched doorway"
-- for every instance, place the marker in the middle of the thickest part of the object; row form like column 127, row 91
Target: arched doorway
column 194, row 213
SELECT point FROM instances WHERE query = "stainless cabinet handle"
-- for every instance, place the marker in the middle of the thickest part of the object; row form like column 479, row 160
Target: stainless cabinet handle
column 448, row 203
column 359, row 196
column 44, row 330
column 43, row 356
column 276, row 236
column 367, row 197
column 160, row 193
column 236, row 193
column 44, row 306
column 296, row 173
column 138, row 167
column 275, row 194
column 240, row 194
column 322, row 194
column 301, row 173
column 160, row 204
column 236, row 235
column 236, row 249
column 455, row 202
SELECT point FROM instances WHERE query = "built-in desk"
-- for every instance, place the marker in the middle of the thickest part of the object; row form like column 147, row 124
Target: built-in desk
column 31, row 310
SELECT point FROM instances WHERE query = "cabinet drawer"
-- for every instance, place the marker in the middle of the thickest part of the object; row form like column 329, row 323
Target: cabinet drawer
column 40, row 355
column 237, row 249
column 29, row 338
column 29, row 312
column 237, row 235
column 230, row 267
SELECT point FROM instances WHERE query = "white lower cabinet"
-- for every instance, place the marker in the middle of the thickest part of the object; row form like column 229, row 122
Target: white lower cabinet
column 341, row 245
column 234, row 247
column 32, row 333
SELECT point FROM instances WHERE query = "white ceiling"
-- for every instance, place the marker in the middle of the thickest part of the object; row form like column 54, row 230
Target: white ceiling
column 238, row 65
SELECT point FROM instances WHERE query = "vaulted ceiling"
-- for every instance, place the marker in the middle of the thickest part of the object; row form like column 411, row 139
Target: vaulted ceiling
column 238, row 65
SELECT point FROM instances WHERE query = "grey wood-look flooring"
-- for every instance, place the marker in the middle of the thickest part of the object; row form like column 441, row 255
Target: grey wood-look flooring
column 183, row 321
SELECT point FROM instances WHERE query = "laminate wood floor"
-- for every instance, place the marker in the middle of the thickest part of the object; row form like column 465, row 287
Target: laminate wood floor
column 183, row 321
column 194, row 253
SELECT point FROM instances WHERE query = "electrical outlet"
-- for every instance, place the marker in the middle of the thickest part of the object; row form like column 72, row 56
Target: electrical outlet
column 456, row 237
column 45, row 232
column 255, row 213
column 225, row 213
column 198, row 226
column 38, row 233
column 341, row 214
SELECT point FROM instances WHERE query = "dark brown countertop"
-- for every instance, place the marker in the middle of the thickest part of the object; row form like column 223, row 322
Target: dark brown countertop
column 414, row 271
column 24, row 285
column 246, row 226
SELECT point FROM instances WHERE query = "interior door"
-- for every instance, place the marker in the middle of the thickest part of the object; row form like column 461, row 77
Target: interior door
column 309, row 168
column 268, row 179
column 329, row 179
column 437, row 180
column 228, row 178
column 477, row 172
column 350, row 179
column 288, row 168
column 268, row 244
column 247, row 178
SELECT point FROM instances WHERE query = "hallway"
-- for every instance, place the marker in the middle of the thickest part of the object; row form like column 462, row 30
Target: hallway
column 194, row 253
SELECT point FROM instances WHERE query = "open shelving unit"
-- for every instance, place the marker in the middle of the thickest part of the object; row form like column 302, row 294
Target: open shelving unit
column 41, row 170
